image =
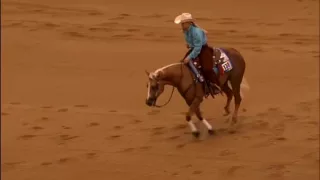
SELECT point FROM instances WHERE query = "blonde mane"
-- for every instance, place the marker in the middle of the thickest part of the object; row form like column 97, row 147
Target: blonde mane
column 152, row 75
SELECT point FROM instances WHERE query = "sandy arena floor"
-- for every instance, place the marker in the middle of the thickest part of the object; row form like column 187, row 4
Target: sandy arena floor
column 74, row 89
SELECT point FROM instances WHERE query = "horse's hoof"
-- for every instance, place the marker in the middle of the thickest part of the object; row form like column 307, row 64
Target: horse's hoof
column 234, row 120
column 196, row 134
column 211, row 132
column 226, row 113
column 227, row 120
column 232, row 130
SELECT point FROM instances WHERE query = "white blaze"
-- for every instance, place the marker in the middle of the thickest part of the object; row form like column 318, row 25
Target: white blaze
column 148, row 96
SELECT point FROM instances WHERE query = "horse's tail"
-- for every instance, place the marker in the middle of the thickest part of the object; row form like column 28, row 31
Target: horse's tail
column 244, row 86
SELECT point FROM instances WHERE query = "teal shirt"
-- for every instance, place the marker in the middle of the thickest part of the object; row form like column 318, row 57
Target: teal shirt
column 195, row 38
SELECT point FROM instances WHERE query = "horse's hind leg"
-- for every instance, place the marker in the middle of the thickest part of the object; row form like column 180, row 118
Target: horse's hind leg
column 235, row 83
column 204, row 121
column 226, row 89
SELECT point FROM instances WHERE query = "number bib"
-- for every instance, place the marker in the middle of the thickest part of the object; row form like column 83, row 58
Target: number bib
column 226, row 66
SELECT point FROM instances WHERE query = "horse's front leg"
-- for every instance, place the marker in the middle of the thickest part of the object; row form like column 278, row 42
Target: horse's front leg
column 204, row 121
column 192, row 109
column 194, row 130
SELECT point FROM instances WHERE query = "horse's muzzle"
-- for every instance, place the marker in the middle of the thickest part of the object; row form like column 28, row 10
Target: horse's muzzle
column 151, row 101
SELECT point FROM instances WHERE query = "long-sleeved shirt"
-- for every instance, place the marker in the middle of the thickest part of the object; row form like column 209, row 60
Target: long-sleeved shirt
column 195, row 38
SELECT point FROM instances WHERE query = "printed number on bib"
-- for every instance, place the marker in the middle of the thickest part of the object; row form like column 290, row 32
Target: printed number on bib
column 226, row 66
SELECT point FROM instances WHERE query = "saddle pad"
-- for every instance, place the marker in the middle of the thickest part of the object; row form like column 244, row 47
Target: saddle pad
column 225, row 62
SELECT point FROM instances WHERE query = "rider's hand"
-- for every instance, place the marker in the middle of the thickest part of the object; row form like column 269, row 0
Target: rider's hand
column 186, row 60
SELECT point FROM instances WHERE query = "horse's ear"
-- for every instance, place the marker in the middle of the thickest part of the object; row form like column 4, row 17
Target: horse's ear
column 147, row 73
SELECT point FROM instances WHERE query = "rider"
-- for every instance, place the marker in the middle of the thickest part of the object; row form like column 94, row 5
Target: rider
column 196, row 39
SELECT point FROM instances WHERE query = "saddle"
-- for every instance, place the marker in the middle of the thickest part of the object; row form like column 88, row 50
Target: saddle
column 219, row 61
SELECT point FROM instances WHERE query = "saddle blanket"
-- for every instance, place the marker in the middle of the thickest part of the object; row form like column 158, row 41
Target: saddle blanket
column 223, row 65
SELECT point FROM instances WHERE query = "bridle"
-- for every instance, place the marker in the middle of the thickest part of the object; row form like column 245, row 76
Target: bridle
column 173, row 88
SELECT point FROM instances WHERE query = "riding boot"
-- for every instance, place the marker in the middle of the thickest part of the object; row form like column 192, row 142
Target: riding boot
column 195, row 71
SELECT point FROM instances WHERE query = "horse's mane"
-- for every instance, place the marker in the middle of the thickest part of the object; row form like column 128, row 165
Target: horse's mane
column 165, row 67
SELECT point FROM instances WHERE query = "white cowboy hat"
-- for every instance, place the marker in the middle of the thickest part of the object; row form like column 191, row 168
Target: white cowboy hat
column 184, row 17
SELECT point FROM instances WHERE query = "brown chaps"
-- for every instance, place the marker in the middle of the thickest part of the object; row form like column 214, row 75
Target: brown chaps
column 206, row 63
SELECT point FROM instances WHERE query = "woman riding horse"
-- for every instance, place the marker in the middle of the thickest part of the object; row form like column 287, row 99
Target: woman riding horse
column 196, row 39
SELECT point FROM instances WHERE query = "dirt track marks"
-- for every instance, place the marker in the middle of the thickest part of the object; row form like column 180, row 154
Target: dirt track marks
column 26, row 137
column 4, row 114
column 122, row 27
column 7, row 166
column 264, row 130
column 11, row 7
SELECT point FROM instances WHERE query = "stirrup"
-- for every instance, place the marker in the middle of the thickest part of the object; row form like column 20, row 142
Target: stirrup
column 214, row 89
column 208, row 90
column 217, row 87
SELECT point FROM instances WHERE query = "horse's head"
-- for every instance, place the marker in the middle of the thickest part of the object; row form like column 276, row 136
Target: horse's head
column 155, row 87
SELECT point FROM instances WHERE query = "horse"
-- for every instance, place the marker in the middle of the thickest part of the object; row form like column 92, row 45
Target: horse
column 181, row 77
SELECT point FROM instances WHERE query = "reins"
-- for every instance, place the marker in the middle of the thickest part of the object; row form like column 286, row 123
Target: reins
column 159, row 106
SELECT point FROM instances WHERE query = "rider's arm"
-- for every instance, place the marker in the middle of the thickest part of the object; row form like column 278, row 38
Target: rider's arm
column 198, row 41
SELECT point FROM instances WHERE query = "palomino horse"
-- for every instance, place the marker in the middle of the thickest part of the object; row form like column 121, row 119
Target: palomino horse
column 179, row 76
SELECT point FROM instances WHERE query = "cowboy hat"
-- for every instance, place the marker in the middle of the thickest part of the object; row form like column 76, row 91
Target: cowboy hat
column 184, row 17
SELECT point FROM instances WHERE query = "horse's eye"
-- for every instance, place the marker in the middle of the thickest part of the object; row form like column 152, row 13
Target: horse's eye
column 155, row 88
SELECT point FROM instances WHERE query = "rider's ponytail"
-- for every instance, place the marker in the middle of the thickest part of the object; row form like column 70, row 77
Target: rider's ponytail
column 196, row 25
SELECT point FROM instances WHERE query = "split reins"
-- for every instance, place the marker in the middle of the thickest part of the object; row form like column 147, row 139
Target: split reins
column 159, row 106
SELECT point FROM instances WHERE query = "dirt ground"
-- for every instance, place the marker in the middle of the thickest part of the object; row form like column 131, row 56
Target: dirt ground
column 74, row 89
